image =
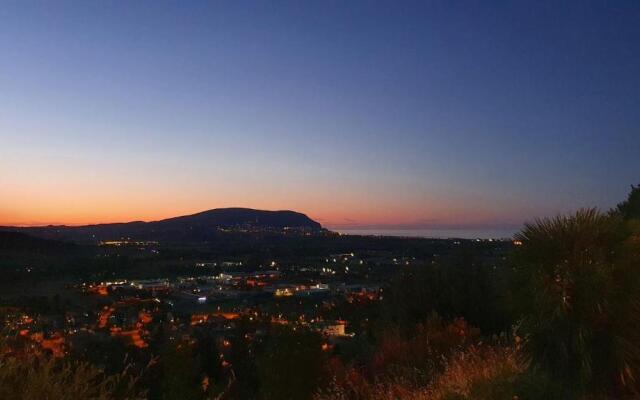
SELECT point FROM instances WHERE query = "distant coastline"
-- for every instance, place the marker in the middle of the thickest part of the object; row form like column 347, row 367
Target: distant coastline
column 449, row 233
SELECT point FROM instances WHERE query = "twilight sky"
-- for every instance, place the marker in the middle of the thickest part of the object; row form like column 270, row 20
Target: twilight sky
column 426, row 114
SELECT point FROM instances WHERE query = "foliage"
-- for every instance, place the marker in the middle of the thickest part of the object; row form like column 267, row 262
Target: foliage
column 577, row 286
column 293, row 364
column 421, row 355
column 478, row 372
column 181, row 368
column 630, row 208
column 36, row 378
column 467, row 372
column 464, row 284
column 402, row 365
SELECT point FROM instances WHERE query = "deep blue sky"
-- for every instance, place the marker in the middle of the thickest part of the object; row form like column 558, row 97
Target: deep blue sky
column 358, row 113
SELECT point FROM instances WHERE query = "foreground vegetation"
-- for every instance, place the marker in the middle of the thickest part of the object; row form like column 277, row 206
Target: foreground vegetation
column 36, row 377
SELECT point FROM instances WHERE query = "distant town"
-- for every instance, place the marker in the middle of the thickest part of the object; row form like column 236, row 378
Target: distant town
column 311, row 292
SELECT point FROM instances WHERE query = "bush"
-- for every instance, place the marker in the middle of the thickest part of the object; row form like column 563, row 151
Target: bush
column 292, row 365
column 37, row 378
column 578, row 287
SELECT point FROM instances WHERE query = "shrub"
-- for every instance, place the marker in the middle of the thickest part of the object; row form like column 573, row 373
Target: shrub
column 36, row 378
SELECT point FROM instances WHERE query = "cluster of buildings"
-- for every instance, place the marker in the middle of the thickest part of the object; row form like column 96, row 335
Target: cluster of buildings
column 131, row 310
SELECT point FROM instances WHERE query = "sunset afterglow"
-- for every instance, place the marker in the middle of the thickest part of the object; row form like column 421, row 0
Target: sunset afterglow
column 319, row 200
column 391, row 119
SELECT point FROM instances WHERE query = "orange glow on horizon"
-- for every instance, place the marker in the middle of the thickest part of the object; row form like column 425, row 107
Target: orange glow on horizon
column 328, row 218
column 56, row 190
column 54, row 203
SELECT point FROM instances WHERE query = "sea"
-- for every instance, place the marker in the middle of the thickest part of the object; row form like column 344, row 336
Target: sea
column 458, row 233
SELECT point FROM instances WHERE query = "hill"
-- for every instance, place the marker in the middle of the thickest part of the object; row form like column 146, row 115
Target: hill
column 196, row 227
column 16, row 242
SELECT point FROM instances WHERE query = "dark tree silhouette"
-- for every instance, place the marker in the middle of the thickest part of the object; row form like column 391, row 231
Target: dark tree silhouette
column 292, row 366
column 577, row 284
column 630, row 208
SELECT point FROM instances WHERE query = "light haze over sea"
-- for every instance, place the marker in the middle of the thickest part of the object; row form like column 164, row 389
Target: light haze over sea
column 449, row 233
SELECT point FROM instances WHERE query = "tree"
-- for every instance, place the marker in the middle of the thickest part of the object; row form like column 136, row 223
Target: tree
column 462, row 284
column 577, row 285
column 630, row 208
column 292, row 365
column 181, row 379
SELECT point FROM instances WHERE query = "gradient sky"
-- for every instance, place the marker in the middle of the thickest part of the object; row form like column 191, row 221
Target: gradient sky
column 426, row 114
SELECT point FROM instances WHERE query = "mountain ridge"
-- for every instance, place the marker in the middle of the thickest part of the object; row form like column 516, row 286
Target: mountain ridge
column 201, row 224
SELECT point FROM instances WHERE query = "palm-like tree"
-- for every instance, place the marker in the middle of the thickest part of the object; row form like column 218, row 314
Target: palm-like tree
column 577, row 290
